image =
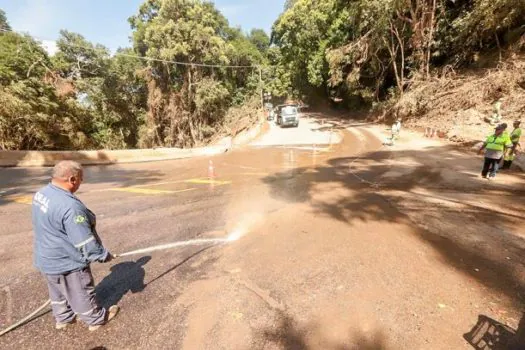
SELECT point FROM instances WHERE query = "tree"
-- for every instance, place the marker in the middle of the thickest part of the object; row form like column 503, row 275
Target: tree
column 77, row 58
column 4, row 25
column 288, row 4
column 83, row 97
column 32, row 115
column 195, row 34
column 304, row 32
column 260, row 40
column 278, row 76
column 117, row 101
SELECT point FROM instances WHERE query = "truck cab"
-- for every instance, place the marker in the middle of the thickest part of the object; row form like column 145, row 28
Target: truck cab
column 288, row 115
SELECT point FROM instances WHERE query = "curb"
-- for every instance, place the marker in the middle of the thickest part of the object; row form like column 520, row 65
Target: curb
column 102, row 157
column 108, row 157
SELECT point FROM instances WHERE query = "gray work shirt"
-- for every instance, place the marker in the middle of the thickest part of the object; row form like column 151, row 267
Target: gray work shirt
column 65, row 238
column 493, row 154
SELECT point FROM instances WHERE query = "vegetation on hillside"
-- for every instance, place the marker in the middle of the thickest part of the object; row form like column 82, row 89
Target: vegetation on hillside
column 84, row 97
column 366, row 51
column 358, row 53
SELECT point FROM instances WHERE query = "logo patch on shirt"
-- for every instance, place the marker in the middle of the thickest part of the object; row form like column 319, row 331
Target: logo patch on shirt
column 79, row 219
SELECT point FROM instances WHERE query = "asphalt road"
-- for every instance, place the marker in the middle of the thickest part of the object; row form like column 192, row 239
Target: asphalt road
column 327, row 259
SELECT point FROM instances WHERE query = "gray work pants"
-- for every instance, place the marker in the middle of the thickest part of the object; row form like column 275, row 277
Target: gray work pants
column 74, row 293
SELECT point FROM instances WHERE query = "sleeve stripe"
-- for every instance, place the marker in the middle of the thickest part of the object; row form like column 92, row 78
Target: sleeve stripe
column 83, row 243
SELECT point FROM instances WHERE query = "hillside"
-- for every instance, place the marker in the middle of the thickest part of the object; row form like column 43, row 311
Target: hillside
column 458, row 104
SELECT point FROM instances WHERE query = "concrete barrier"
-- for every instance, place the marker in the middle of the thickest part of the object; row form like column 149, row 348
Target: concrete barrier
column 50, row 158
column 101, row 157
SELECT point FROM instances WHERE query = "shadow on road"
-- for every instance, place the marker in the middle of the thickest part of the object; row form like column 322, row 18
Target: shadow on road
column 129, row 277
column 429, row 193
column 179, row 264
column 489, row 334
column 288, row 335
column 17, row 182
column 124, row 277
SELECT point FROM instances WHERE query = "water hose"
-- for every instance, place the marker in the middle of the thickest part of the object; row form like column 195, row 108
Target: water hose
column 235, row 235
column 26, row 319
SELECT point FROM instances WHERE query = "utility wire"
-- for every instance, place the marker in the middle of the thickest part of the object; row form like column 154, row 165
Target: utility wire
column 6, row 30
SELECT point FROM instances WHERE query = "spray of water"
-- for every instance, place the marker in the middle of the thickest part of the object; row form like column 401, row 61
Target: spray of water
column 236, row 234
column 232, row 237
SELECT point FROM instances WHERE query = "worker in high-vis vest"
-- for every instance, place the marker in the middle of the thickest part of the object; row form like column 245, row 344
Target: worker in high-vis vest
column 515, row 137
column 496, row 111
column 494, row 147
column 396, row 130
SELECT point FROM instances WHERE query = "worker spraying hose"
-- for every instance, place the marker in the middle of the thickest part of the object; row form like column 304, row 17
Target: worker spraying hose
column 65, row 244
column 235, row 235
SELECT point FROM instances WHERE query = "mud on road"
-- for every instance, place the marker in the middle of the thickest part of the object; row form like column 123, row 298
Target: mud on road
column 352, row 245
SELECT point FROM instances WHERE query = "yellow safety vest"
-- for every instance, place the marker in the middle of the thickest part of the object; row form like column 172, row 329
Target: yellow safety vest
column 515, row 135
column 509, row 156
column 498, row 143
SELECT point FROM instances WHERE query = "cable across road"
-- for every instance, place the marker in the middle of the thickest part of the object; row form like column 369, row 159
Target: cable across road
column 144, row 58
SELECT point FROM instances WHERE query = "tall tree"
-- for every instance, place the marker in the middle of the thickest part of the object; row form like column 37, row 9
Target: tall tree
column 195, row 34
column 260, row 39
column 4, row 24
column 32, row 114
column 77, row 58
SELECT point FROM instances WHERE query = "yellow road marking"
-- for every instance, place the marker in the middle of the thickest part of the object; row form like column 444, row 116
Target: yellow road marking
column 148, row 190
column 161, row 183
column 207, row 181
column 200, row 181
column 20, row 199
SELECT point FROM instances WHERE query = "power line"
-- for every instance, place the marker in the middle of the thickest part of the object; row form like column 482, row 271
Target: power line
column 6, row 30
column 183, row 63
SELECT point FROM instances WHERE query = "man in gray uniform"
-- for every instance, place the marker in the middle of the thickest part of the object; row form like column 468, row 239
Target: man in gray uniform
column 65, row 243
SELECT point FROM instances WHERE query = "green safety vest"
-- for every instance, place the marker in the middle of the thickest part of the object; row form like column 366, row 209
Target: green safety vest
column 509, row 156
column 515, row 135
column 498, row 143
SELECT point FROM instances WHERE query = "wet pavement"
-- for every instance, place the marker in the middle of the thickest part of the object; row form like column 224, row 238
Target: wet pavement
column 327, row 259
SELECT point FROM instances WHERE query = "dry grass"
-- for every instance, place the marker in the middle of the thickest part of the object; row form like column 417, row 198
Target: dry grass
column 459, row 104
column 239, row 118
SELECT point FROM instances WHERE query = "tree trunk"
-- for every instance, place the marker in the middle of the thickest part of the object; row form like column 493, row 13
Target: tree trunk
column 393, row 49
column 430, row 37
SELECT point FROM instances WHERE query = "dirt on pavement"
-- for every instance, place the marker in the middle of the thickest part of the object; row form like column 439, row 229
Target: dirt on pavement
column 365, row 246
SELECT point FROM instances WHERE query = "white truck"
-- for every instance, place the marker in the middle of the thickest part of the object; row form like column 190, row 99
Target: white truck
column 288, row 115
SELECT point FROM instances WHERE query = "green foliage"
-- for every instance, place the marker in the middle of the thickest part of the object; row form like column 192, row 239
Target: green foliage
column 468, row 27
column 4, row 25
column 32, row 115
column 211, row 98
column 303, row 33
column 77, row 58
column 358, row 50
column 20, row 57
column 185, row 102
column 260, row 40
column 84, row 97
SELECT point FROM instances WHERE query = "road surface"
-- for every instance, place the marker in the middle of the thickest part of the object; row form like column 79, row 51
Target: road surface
column 349, row 245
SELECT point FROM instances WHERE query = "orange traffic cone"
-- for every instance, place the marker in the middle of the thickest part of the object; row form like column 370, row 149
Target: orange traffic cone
column 211, row 170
